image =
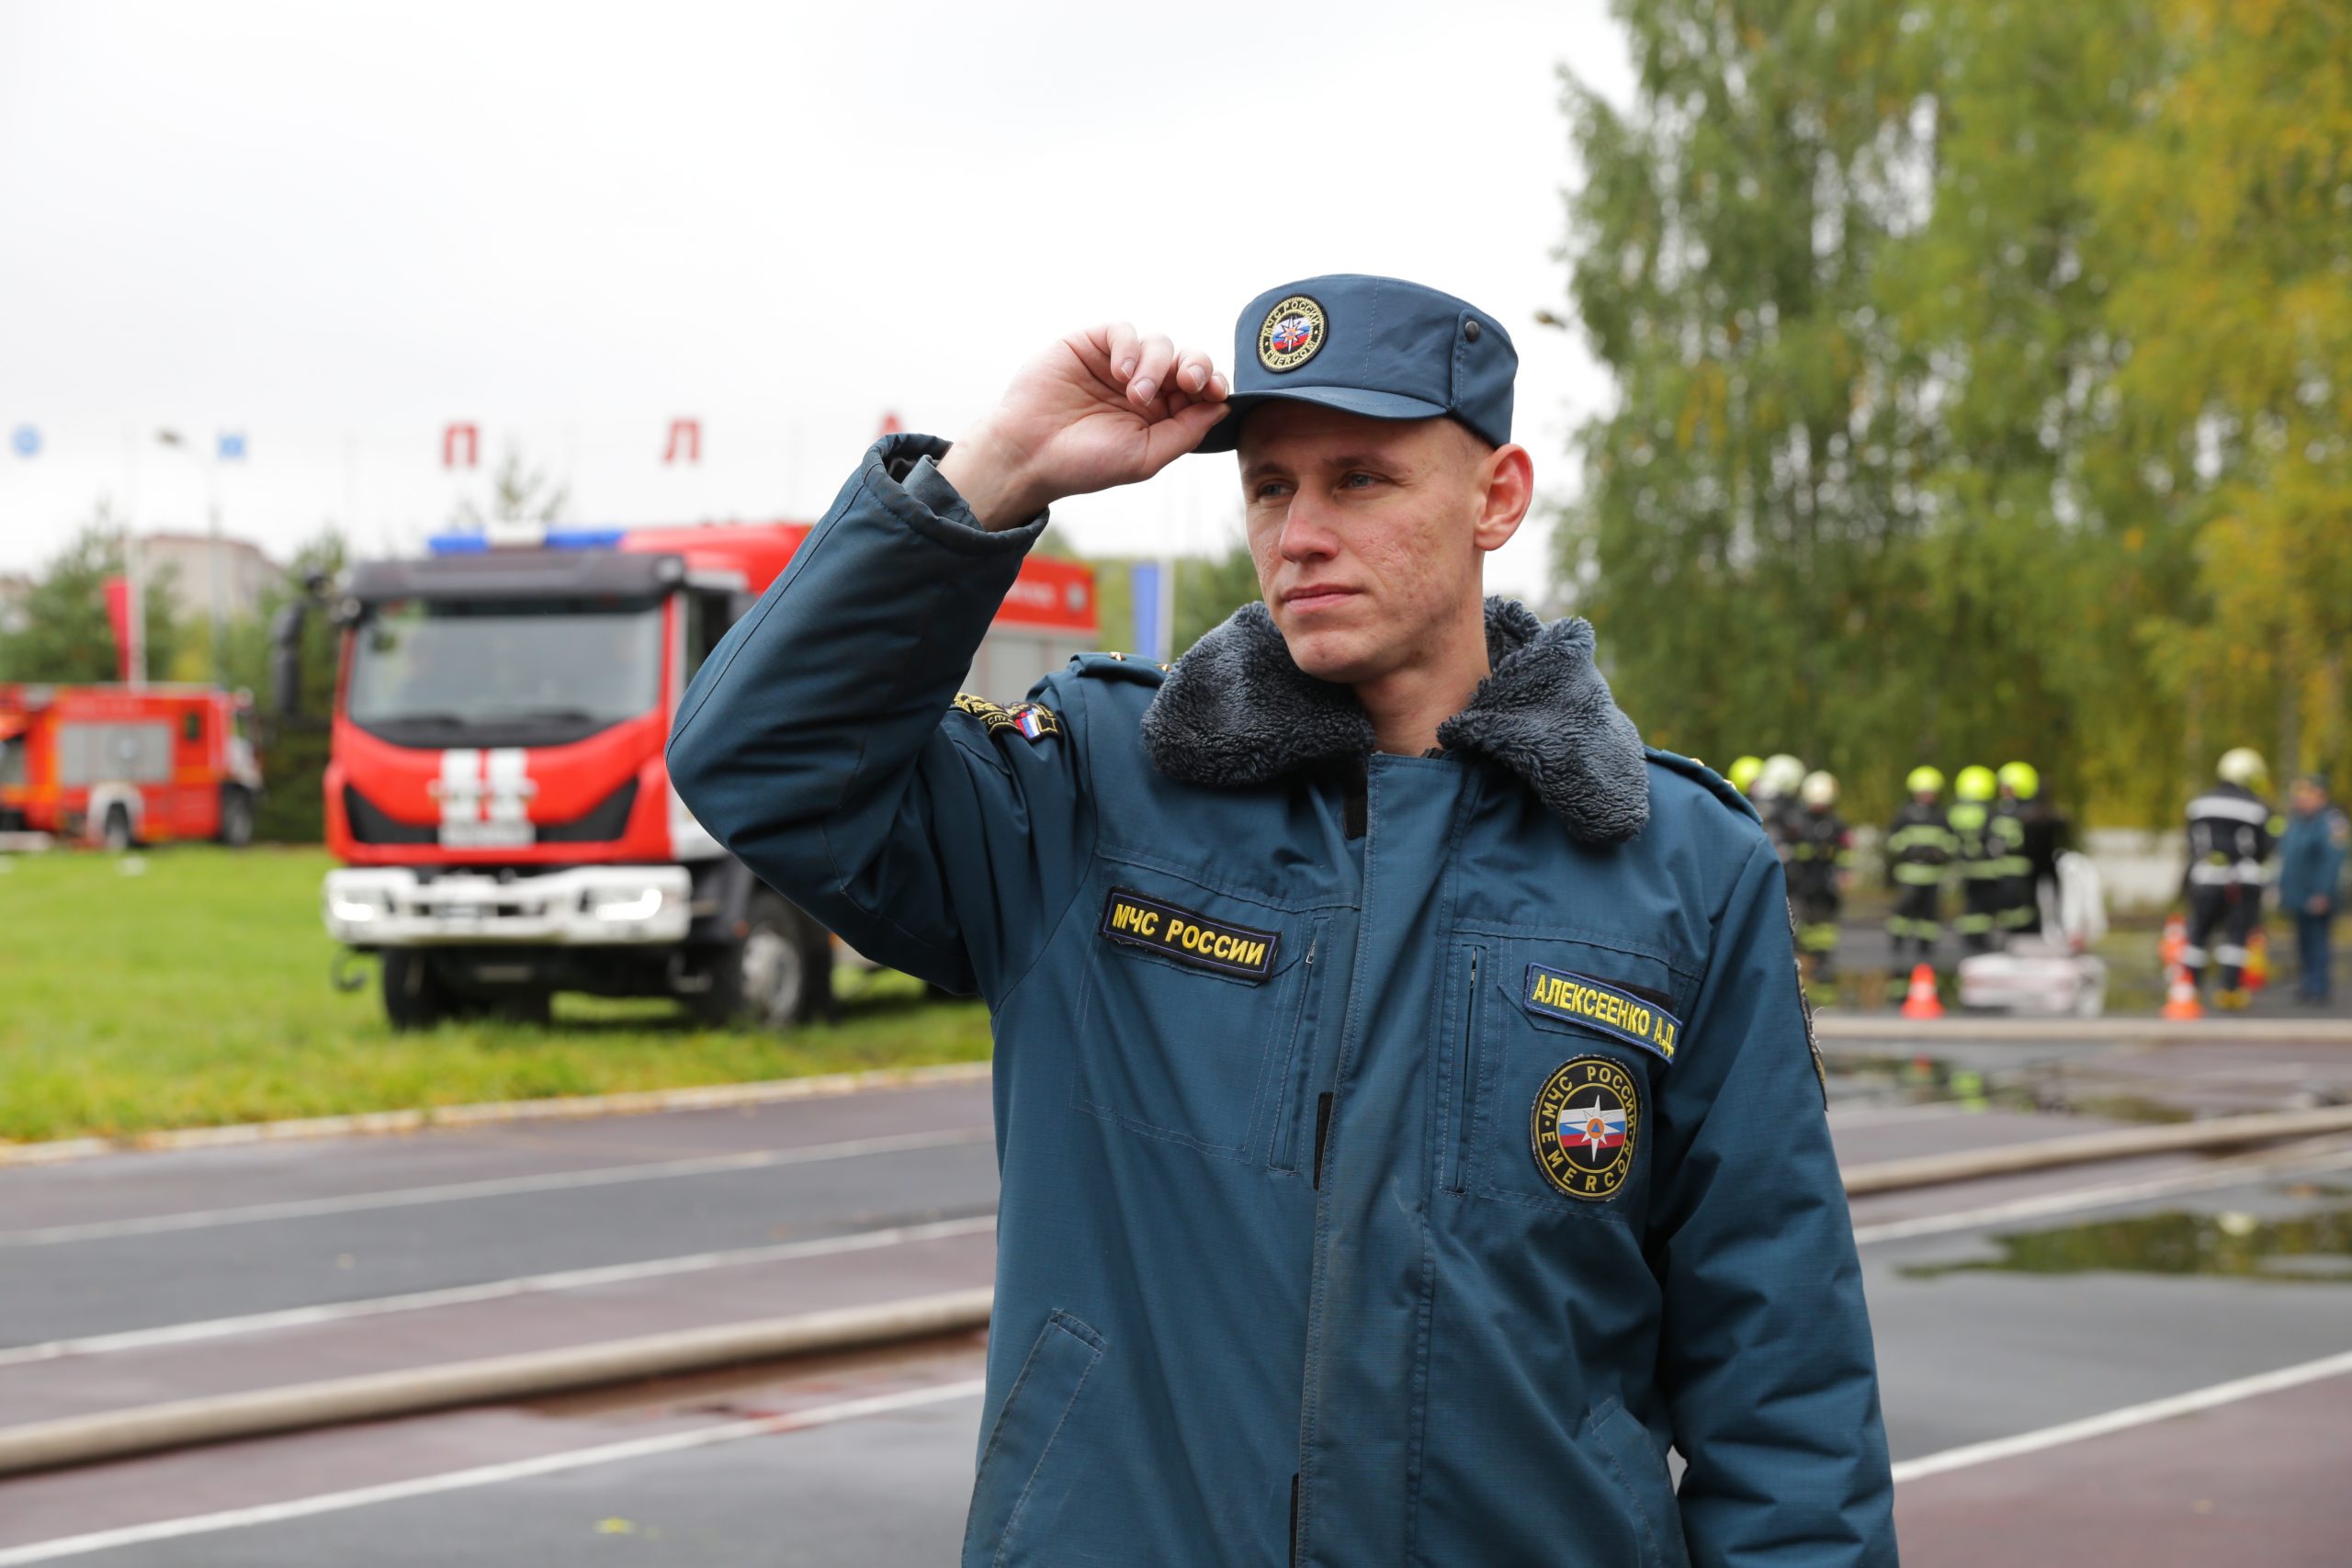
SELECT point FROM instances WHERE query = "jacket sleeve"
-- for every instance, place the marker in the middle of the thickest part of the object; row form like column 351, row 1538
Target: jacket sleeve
column 1766, row 1359
column 822, row 742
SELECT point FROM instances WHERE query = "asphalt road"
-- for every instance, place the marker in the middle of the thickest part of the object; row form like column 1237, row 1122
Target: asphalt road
column 865, row 1461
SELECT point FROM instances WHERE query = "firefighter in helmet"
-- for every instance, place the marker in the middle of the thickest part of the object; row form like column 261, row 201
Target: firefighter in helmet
column 2040, row 834
column 1920, row 847
column 1818, row 853
column 1743, row 774
column 2230, row 837
column 1984, row 858
column 1776, row 799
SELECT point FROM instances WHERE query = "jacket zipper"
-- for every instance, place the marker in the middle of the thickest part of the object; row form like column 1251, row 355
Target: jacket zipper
column 1465, row 1064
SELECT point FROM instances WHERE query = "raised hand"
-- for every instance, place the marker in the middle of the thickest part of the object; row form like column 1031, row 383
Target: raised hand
column 1104, row 407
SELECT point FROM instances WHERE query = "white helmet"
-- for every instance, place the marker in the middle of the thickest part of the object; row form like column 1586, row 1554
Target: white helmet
column 1781, row 777
column 1819, row 791
column 2241, row 765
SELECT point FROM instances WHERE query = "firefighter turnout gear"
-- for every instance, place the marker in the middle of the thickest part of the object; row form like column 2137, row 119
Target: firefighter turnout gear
column 2229, row 838
column 1919, row 849
column 1982, row 856
column 1399, row 1154
column 1819, row 851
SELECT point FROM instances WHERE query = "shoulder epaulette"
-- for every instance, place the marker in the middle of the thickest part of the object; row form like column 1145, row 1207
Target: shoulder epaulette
column 1690, row 767
column 1120, row 667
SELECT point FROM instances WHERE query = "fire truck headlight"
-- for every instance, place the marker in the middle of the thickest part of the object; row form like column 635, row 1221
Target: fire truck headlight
column 344, row 907
column 621, row 905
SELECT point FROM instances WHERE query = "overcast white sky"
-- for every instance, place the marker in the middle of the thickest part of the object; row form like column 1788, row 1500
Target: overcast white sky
column 336, row 227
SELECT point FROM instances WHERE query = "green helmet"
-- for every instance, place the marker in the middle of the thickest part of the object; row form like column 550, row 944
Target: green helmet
column 2023, row 782
column 1974, row 784
column 1924, row 780
column 1743, row 772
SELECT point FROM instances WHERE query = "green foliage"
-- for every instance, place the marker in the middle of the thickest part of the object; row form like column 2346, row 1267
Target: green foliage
column 1209, row 589
column 65, row 635
column 518, row 493
column 1922, row 316
column 293, row 753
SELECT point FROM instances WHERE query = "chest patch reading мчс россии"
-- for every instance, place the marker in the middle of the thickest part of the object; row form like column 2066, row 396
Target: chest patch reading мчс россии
column 1188, row 938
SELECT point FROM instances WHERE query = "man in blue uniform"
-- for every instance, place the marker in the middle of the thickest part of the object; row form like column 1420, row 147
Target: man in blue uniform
column 1406, row 1112
column 2310, row 879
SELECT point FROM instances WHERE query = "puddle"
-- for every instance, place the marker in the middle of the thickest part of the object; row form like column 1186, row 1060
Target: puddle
column 1930, row 1080
column 2304, row 1248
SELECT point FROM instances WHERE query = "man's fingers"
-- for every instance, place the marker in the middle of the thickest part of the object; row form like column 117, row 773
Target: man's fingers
column 1151, row 370
column 1195, row 372
column 1124, row 348
column 1179, row 433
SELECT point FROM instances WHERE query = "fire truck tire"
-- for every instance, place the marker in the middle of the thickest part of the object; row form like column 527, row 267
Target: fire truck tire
column 116, row 833
column 413, row 994
column 780, row 974
column 236, row 817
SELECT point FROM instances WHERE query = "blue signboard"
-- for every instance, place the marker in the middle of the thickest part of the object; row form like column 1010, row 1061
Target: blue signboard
column 26, row 440
column 232, row 448
column 1152, row 592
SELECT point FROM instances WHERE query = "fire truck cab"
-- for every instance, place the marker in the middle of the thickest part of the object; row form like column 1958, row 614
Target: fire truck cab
column 495, row 786
column 125, row 765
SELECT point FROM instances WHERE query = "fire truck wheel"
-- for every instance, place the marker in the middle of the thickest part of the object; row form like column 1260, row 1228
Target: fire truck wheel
column 115, row 834
column 236, row 818
column 413, row 997
column 780, row 974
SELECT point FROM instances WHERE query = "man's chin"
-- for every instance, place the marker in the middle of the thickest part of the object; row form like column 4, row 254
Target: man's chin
column 1343, row 656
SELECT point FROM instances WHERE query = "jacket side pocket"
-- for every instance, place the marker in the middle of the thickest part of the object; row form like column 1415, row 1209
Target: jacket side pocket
column 1641, row 1475
column 1022, row 1441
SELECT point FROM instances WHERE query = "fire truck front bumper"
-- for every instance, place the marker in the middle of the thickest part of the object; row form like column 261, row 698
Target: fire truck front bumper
column 589, row 906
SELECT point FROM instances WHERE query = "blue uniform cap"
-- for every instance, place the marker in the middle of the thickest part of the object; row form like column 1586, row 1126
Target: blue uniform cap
column 1377, row 346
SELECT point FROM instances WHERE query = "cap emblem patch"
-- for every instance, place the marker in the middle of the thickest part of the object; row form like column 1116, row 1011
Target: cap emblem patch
column 1293, row 332
column 1588, row 1116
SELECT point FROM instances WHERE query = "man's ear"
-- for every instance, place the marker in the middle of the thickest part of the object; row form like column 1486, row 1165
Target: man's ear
column 1509, row 476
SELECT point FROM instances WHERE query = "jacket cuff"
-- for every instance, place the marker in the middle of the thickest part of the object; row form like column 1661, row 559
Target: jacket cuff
column 903, row 474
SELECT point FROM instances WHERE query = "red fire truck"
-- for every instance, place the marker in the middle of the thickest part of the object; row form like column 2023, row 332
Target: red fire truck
column 121, row 765
column 495, row 783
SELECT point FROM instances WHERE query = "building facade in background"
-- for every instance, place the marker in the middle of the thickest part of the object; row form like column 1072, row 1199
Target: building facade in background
column 245, row 574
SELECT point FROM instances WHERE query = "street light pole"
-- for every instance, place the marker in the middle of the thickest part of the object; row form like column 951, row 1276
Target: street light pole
column 213, row 566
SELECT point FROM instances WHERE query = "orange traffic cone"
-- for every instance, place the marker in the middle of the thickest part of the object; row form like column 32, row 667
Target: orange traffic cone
column 2176, row 938
column 2180, row 995
column 2257, row 960
column 1922, row 1001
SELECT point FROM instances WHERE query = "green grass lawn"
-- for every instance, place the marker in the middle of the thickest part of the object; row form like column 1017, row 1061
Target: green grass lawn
column 188, row 987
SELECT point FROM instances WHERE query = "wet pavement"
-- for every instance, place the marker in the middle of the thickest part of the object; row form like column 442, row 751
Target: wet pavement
column 2002, row 1308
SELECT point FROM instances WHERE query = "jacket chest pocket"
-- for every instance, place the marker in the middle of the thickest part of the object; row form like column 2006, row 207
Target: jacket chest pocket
column 1193, row 1000
column 1555, row 1051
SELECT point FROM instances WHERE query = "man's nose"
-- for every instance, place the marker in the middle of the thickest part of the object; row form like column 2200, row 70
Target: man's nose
column 1306, row 534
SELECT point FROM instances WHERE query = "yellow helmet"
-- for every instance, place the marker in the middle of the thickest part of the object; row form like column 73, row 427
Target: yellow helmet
column 2023, row 782
column 1743, row 772
column 1975, row 783
column 1924, row 780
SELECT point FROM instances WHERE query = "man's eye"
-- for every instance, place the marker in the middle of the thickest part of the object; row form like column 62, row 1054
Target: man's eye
column 1359, row 480
column 1270, row 490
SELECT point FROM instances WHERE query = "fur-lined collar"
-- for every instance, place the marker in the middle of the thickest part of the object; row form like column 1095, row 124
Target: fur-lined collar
column 1236, row 711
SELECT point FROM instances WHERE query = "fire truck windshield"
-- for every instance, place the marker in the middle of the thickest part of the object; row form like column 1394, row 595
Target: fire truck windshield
column 507, row 672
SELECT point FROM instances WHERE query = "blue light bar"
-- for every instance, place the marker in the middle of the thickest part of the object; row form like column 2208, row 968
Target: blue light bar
column 556, row 539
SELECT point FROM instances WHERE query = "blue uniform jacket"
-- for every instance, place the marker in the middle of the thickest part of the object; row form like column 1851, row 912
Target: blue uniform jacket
column 1400, row 1153
column 2311, row 859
